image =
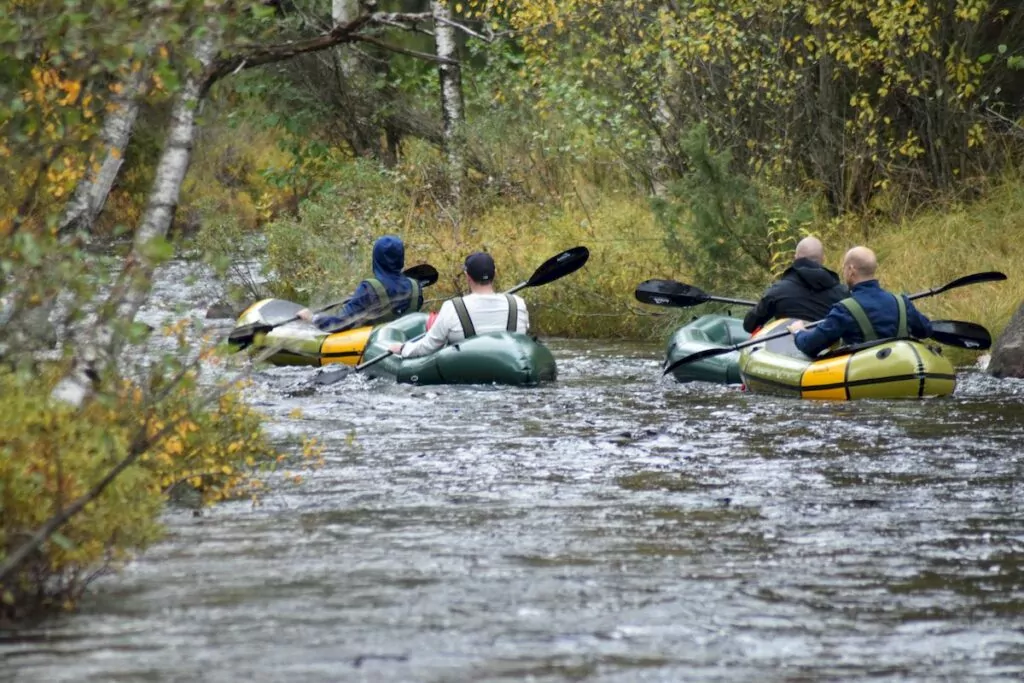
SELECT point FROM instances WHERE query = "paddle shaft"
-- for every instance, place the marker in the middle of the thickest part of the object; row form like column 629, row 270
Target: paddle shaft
column 678, row 294
column 747, row 302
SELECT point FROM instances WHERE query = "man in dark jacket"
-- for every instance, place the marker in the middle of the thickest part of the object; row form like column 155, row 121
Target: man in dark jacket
column 384, row 297
column 806, row 289
column 869, row 313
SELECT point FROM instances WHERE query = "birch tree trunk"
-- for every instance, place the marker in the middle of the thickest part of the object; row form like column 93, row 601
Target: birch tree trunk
column 450, row 75
column 342, row 12
column 91, row 192
column 136, row 280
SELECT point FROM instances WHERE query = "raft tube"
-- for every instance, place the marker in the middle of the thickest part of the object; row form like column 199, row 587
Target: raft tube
column 707, row 332
column 492, row 358
column 301, row 343
column 887, row 368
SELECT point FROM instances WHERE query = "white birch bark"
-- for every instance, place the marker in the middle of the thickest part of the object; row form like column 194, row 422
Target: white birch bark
column 451, row 96
column 136, row 281
column 342, row 12
column 91, row 192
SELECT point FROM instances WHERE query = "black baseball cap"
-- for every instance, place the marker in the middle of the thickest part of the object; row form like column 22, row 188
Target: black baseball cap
column 480, row 267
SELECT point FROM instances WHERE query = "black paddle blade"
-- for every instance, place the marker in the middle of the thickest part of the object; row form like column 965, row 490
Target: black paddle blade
column 243, row 336
column 961, row 334
column 569, row 261
column 424, row 273
column 973, row 279
column 670, row 293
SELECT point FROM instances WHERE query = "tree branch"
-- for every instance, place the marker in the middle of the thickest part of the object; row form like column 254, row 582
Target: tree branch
column 403, row 51
column 258, row 55
column 465, row 29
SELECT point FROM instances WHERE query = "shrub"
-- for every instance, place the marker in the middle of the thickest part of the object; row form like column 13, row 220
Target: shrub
column 718, row 222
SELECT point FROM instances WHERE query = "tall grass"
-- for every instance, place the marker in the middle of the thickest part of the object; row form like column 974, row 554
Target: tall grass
column 945, row 242
column 321, row 251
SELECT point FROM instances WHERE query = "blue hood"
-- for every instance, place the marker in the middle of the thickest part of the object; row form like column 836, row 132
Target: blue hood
column 388, row 258
column 388, row 261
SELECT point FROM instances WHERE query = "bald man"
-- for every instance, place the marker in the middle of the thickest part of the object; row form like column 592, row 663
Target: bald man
column 868, row 314
column 805, row 291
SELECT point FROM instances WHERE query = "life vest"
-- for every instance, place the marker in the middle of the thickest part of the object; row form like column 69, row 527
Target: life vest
column 469, row 330
column 387, row 307
column 866, row 328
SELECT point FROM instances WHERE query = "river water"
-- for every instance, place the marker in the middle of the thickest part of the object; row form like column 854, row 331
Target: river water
column 608, row 527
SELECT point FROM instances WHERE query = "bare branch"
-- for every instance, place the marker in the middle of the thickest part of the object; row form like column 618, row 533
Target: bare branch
column 465, row 29
column 403, row 51
column 258, row 55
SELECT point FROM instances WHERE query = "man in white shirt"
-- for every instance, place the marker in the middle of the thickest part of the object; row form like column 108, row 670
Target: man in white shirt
column 482, row 311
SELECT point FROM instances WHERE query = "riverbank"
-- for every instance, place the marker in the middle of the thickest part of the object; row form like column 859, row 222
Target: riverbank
column 324, row 250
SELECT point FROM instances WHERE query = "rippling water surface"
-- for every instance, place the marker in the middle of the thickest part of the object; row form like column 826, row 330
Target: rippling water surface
column 604, row 528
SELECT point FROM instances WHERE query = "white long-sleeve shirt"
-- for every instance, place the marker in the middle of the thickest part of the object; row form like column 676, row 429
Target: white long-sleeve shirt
column 489, row 313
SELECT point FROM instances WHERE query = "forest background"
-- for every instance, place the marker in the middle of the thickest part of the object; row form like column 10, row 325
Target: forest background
column 276, row 139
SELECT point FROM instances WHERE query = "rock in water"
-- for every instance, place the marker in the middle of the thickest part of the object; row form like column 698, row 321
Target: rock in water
column 1008, row 353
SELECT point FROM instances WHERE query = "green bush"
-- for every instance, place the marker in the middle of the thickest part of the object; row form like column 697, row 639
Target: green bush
column 719, row 223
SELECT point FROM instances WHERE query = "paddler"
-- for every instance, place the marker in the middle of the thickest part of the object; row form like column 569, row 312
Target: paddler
column 869, row 313
column 382, row 298
column 481, row 311
column 806, row 290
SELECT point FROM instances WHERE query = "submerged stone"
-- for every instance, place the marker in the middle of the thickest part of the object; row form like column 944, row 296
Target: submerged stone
column 1008, row 353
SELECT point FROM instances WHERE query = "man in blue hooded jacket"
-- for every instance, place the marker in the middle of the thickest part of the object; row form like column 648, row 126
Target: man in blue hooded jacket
column 869, row 313
column 384, row 297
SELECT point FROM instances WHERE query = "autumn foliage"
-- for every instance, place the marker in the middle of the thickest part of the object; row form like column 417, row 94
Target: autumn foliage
column 847, row 98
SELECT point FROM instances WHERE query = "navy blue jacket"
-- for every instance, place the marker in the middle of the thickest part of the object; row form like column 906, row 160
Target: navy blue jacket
column 882, row 311
column 363, row 308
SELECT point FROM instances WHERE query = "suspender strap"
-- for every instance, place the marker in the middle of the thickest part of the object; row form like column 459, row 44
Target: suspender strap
column 513, row 313
column 467, row 324
column 414, row 296
column 901, row 329
column 867, row 330
column 383, row 307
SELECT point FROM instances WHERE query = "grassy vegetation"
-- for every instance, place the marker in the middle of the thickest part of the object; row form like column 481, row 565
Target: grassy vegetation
column 323, row 251
column 946, row 241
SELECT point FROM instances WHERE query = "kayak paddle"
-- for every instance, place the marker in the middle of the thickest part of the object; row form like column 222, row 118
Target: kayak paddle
column 961, row 334
column 243, row 336
column 679, row 295
column 672, row 293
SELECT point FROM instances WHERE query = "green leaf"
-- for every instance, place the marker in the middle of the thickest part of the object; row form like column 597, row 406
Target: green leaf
column 985, row 58
column 1002, row 49
column 62, row 540
column 137, row 332
column 158, row 250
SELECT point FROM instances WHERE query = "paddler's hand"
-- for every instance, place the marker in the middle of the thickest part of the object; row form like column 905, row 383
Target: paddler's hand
column 797, row 326
column 396, row 349
column 305, row 314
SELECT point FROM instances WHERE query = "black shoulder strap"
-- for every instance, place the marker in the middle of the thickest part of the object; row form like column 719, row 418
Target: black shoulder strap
column 513, row 313
column 467, row 323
